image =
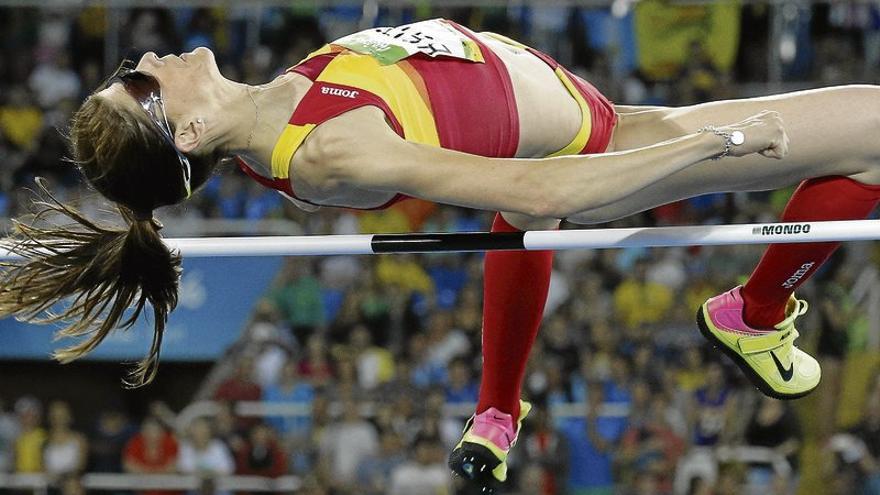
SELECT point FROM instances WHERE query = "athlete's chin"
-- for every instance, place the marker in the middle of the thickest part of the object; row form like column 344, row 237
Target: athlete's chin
column 203, row 51
column 200, row 54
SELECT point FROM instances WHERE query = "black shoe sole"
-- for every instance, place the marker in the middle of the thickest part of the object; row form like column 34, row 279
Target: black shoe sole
column 474, row 463
column 753, row 377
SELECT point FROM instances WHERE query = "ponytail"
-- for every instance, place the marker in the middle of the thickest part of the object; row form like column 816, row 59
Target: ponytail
column 85, row 276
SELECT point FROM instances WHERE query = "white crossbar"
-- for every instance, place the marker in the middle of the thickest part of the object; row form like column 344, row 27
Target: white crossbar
column 701, row 235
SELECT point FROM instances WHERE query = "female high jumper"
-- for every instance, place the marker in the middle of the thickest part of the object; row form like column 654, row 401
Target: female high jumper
column 433, row 110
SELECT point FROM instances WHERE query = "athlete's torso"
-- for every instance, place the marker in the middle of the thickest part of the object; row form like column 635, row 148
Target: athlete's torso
column 548, row 115
column 492, row 98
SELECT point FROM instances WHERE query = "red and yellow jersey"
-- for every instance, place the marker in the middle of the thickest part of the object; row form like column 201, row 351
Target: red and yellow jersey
column 437, row 84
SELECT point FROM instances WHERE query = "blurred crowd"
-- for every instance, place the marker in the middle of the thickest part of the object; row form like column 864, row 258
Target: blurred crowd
column 377, row 359
column 367, row 368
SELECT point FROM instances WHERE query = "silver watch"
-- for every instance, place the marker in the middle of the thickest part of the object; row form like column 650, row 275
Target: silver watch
column 731, row 139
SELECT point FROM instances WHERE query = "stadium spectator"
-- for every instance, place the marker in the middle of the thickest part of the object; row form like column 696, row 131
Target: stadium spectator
column 406, row 274
column 345, row 384
column 66, row 450
column 261, row 455
column 374, row 471
column 152, row 450
column 31, row 438
column 561, row 342
column 433, row 420
column 461, row 387
column 774, row 425
column 150, row 29
column 691, row 374
column 389, row 221
column 200, row 29
column 291, row 389
column 107, row 441
column 445, row 343
column 650, row 447
column 241, row 385
column 425, row 474
column 53, row 81
column 639, row 301
column 712, row 408
column 592, row 441
column 601, row 347
column 448, row 274
column 275, row 346
column 375, row 365
column 347, row 442
column 21, row 121
column 203, row 454
column 425, row 372
column 229, row 428
column 316, row 365
column 298, row 298
column 710, row 414
column 543, row 446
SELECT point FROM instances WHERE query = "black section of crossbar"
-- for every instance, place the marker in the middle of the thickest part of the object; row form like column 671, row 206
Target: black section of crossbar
column 433, row 243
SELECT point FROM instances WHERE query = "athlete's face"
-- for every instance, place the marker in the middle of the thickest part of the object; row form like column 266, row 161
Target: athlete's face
column 187, row 82
column 184, row 74
column 191, row 92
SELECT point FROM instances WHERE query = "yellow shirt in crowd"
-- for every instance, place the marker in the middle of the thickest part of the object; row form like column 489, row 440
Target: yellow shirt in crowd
column 29, row 451
column 637, row 303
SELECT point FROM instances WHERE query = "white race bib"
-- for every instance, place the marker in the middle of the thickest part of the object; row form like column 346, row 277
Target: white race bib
column 392, row 44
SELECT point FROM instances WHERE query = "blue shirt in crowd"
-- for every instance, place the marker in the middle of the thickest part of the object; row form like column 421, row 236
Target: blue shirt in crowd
column 589, row 467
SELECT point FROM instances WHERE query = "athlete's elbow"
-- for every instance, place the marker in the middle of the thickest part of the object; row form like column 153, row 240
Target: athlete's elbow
column 566, row 201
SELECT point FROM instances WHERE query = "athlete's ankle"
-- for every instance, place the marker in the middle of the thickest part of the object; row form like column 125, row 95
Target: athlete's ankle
column 761, row 317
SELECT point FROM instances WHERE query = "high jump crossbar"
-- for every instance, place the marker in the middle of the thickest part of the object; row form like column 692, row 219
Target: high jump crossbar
column 533, row 240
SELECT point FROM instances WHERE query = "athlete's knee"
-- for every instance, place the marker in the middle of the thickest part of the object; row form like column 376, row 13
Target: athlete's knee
column 526, row 222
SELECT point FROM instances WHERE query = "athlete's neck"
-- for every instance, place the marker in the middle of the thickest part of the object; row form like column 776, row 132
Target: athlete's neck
column 261, row 114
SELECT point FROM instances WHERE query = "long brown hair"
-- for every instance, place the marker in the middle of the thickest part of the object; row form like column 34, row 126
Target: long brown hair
column 85, row 274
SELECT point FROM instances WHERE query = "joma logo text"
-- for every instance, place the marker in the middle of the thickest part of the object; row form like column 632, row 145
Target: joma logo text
column 797, row 275
column 345, row 93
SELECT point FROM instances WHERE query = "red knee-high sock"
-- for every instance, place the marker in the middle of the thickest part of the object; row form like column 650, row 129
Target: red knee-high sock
column 784, row 267
column 515, row 285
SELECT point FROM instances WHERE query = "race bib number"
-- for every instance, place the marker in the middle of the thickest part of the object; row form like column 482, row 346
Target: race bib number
column 434, row 38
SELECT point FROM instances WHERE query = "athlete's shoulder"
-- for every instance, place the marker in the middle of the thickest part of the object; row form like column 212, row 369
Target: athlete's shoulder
column 328, row 149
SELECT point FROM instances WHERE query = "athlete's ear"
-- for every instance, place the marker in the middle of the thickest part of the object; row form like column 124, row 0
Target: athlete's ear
column 190, row 136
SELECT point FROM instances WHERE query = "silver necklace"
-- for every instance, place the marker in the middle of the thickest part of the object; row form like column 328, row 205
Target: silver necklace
column 256, row 119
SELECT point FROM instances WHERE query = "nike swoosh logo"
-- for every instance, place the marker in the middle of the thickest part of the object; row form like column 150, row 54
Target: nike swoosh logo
column 786, row 373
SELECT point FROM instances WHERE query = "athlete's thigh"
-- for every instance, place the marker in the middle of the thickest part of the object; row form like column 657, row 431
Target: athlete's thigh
column 832, row 132
column 822, row 124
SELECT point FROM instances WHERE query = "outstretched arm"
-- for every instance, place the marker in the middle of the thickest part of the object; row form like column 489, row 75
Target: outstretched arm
column 376, row 158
